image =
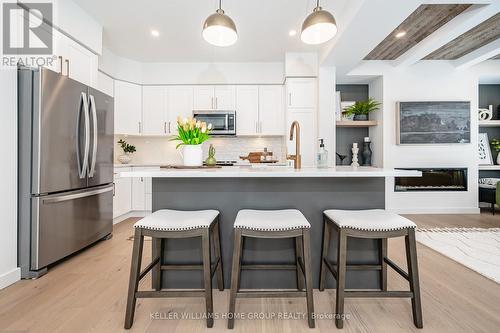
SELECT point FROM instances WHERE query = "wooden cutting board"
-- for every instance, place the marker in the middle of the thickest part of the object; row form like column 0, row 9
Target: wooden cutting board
column 254, row 157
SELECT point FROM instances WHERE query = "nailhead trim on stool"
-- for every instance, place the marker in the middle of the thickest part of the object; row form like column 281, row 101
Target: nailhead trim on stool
column 177, row 220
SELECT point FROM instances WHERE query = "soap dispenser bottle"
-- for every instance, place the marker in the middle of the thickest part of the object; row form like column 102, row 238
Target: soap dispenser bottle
column 322, row 158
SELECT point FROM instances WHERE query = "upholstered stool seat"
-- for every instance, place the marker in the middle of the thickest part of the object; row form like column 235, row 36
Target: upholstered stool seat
column 177, row 220
column 271, row 220
column 368, row 220
column 160, row 226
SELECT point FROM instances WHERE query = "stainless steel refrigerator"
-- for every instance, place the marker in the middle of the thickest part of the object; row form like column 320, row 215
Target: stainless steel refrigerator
column 65, row 168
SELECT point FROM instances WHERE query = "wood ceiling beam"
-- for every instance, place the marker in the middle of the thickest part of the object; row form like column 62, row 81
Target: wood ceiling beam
column 448, row 32
column 481, row 54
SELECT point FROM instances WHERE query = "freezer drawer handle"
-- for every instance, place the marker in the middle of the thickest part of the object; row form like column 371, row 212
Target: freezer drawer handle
column 77, row 195
column 82, row 165
column 94, row 136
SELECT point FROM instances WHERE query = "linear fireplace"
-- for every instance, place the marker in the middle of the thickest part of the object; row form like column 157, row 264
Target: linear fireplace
column 433, row 179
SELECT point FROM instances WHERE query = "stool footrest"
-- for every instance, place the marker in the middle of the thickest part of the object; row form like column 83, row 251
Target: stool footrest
column 270, row 267
column 270, row 294
column 170, row 293
column 354, row 267
column 378, row 294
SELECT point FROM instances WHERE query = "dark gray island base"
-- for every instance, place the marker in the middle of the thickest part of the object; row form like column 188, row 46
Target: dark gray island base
column 228, row 195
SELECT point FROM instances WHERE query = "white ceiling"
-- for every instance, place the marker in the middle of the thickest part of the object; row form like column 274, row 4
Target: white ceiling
column 263, row 27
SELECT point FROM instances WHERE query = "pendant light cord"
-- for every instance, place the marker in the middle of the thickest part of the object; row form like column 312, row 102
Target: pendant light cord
column 317, row 3
column 220, row 4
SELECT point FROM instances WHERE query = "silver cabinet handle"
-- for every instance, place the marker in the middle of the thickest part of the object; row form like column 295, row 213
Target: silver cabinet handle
column 114, row 189
column 60, row 64
column 82, row 165
column 67, row 67
column 256, row 127
column 95, row 135
column 289, row 99
column 165, row 127
column 169, row 131
column 213, row 103
column 260, row 127
column 216, row 103
column 140, row 127
column 85, row 194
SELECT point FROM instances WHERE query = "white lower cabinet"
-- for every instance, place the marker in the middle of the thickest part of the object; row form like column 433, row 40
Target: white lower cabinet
column 122, row 194
column 131, row 194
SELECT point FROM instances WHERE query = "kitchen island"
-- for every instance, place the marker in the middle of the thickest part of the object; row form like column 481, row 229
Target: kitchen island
column 230, row 189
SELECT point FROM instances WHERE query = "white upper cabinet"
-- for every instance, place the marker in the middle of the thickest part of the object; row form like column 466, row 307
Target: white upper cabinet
column 247, row 110
column 180, row 103
column 204, row 98
column 80, row 64
column 225, row 98
column 105, row 84
column 301, row 93
column 128, row 108
column 154, row 110
column 214, row 98
column 271, row 111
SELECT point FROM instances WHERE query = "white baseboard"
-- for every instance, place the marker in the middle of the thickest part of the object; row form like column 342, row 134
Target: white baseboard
column 134, row 213
column 12, row 276
column 425, row 210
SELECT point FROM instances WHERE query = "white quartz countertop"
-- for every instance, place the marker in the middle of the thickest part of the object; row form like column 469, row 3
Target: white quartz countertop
column 272, row 171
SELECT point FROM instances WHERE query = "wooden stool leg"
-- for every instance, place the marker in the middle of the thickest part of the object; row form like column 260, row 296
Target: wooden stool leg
column 299, row 255
column 156, row 271
column 235, row 276
column 341, row 268
column 217, row 250
column 207, row 277
column 411, row 258
column 383, row 271
column 135, row 271
column 307, row 273
column 324, row 254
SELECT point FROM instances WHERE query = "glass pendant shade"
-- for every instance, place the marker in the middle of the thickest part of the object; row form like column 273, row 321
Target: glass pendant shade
column 219, row 29
column 319, row 27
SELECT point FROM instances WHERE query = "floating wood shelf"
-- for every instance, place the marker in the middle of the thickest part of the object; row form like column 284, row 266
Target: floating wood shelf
column 489, row 167
column 354, row 123
column 489, row 123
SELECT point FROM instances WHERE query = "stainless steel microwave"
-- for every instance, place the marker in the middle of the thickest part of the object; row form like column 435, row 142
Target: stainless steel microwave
column 223, row 122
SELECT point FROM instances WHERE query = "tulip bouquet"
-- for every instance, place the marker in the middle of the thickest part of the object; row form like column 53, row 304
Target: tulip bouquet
column 191, row 132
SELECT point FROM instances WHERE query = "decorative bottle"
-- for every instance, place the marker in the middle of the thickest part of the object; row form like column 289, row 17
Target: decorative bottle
column 366, row 155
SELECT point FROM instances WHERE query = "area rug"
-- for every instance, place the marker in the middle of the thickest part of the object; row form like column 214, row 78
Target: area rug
column 475, row 248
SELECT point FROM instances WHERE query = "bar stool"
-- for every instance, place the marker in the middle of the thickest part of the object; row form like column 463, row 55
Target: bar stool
column 374, row 224
column 164, row 224
column 288, row 223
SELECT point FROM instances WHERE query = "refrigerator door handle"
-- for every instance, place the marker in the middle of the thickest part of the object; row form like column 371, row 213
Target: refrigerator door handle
column 94, row 135
column 74, row 196
column 82, row 165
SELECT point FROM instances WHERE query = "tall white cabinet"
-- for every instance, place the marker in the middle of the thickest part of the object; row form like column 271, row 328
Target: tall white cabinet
column 302, row 96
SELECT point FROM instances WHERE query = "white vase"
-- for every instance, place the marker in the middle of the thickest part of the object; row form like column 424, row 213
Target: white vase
column 192, row 155
column 125, row 158
column 498, row 158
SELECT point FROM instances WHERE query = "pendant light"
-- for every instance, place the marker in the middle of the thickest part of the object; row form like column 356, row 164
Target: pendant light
column 318, row 27
column 219, row 29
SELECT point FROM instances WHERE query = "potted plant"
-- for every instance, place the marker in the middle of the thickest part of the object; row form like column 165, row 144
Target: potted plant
column 192, row 134
column 128, row 150
column 495, row 143
column 362, row 109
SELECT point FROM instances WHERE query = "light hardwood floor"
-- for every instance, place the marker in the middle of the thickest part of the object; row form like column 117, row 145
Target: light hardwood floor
column 86, row 293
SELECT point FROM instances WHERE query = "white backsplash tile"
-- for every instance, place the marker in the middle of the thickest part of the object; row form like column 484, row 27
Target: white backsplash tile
column 159, row 150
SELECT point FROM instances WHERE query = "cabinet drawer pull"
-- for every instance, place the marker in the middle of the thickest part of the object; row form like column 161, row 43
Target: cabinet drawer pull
column 60, row 64
column 165, row 127
column 67, row 67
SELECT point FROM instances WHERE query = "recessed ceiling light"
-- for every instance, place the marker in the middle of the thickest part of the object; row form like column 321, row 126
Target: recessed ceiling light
column 401, row 34
column 292, row 33
column 155, row 33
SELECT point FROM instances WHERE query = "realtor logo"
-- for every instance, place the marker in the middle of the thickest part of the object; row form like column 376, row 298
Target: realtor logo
column 27, row 32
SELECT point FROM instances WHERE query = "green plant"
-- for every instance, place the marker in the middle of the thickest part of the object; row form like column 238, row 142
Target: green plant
column 495, row 143
column 362, row 108
column 126, row 147
column 191, row 132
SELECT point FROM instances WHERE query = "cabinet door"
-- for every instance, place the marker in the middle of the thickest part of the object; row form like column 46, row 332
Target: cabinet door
column 154, row 109
column 247, row 110
column 128, row 108
column 105, row 84
column 80, row 64
column 204, row 98
column 271, row 110
column 180, row 103
column 122, row 196
column 301, row 93
column 138, row 193
column 225, row 98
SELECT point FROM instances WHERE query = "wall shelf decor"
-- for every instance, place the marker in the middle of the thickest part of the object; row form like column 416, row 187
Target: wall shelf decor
column 358, row 123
